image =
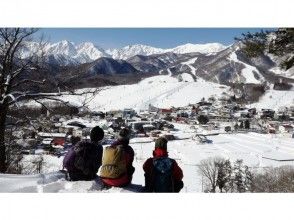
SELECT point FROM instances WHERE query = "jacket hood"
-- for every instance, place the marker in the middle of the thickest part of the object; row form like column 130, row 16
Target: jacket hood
column 124, row 142
column 159, row 152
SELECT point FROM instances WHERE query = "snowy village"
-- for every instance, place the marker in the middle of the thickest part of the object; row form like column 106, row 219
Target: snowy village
column 231, row 131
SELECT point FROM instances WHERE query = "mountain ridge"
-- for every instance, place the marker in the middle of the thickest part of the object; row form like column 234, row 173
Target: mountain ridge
column 69, row 53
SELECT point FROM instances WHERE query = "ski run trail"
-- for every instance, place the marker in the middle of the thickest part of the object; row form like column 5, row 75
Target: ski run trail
column 161, row 91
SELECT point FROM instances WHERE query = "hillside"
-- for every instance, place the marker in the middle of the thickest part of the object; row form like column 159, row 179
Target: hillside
column 160, row 91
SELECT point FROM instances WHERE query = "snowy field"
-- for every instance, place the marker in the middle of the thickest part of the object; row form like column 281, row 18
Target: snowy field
column 275, row 99
column 257, row 151
column 160, row 91
column 165, row 91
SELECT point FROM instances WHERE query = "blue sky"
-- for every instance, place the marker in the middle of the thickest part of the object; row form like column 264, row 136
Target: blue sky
column 156, row 37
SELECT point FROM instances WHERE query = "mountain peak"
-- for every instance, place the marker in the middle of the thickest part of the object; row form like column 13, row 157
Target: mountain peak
column 87, row 52
column 201, row 48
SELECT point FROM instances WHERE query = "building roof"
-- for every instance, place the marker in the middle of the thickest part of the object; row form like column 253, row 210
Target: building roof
column 44, row 134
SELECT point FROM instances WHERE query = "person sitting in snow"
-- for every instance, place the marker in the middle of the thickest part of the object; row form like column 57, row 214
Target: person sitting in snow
column 162, row 174
column 117, row 169
column 84, row 159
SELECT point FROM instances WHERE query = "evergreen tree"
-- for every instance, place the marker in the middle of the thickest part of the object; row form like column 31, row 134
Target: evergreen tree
column 254, row 43
column 247, row 124
column 224, row 175
column 241, row 177
column 241, row 125
column 279, row 43
column 248, row 179
column 236, row 126
column 203, row 119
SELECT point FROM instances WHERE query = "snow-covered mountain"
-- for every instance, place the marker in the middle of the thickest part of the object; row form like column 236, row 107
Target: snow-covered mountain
column 139, row 49
column 89, row 52
column 200, row 48
column 65, row 52
column 133, row 50
column 212, row 62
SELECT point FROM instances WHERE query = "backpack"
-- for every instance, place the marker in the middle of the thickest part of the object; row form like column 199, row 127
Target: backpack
column 113, row 162
column 86, row 158
column 162, row 175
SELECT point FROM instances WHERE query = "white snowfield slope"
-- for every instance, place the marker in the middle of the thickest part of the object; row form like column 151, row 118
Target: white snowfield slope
column 201, row 48
column 193, row 71
column 275, row 99
column 277, row 69
column 257, row 151
column 165, row 91
column 248, row 72
column 161, row 91
column 288, row 73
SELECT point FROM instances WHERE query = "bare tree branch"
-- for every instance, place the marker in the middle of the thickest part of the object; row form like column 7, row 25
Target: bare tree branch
column 28, row 80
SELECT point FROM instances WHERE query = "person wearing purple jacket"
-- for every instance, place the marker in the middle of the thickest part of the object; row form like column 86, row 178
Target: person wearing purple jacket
column 83, row 160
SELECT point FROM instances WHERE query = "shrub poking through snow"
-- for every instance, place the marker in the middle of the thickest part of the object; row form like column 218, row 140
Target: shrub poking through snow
column 278, row 179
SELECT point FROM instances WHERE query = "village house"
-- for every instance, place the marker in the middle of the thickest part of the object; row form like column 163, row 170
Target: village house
column 286, row 128
column 267, row 113
column 204, row 103
column 128, row 113
column 165, row 111
column 57, row 138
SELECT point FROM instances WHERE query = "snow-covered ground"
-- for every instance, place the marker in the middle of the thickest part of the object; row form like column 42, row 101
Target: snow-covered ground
column 257, row 151
column 160, row 91
column 278, row 70
column 165, row 91
column 275, row 99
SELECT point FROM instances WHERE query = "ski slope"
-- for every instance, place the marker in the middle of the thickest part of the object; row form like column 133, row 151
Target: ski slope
column 161, row 91
column 193, row 71
column 248, row 71
column 275, row 99
column 257, row 151
column 189, row 63
column 165, row 91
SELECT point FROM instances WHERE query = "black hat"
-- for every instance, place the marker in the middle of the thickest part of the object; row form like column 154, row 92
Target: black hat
column 97, row 134
column 161, row 142
column 124, row 134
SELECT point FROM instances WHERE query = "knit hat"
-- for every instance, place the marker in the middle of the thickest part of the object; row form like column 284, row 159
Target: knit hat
column 161, row 143
column 97, row 134
column 124, row 134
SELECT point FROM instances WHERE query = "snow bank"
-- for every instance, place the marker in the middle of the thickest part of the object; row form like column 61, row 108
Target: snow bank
column 56, row 182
